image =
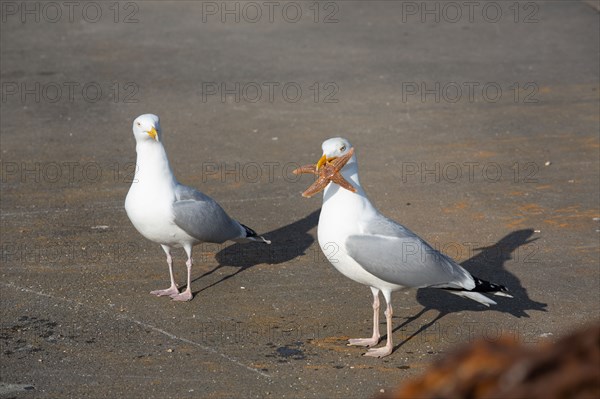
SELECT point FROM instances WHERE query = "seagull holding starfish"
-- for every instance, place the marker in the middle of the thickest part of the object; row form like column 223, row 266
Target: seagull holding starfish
column 376, row 251
column 171, row 214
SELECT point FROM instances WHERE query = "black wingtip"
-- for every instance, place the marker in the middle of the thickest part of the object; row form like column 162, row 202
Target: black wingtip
column 249, row 231
column 486, row 286
column 483, row 286
column 251, row 234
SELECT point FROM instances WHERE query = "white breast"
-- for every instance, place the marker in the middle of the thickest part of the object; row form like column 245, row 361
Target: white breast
column 149, row 218
column 149, row 202
column 340, row 217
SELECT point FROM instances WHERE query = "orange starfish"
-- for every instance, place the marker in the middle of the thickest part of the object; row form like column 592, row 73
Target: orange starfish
column 327, row 170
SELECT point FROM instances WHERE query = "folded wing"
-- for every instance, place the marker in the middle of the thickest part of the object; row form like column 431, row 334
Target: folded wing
column 394, row 254
column 203, row 218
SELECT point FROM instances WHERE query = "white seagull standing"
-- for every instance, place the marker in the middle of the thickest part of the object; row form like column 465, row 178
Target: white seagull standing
column 373, row 250
column 169, row 213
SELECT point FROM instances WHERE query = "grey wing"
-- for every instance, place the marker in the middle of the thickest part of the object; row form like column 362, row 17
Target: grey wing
column 395, row 254
column 202, row 217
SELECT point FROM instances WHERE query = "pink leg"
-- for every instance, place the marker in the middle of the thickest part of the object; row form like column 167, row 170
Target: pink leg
column 173, row 288
column 374, row 340
column 389, row 346
column 187, row 294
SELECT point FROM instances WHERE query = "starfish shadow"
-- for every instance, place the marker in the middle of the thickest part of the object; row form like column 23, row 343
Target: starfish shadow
column 288, row 242
column 488, row 264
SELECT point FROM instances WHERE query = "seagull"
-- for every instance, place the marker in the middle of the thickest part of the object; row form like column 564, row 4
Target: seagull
column 376, row 251
column 170, row 213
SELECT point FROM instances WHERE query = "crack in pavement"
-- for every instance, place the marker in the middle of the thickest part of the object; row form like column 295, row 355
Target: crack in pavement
column 146, row 325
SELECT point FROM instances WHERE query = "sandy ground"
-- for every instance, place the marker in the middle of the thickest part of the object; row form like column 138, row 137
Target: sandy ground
column 476, row 127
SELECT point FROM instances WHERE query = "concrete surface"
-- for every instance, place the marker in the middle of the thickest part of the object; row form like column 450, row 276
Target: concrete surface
column 440, row 150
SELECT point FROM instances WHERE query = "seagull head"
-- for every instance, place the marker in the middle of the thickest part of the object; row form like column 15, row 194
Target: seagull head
column 146, row 127
column 333, row 148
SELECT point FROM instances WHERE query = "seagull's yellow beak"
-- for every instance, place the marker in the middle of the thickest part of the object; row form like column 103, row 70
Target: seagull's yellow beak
column 153, row 133
column 323, row 160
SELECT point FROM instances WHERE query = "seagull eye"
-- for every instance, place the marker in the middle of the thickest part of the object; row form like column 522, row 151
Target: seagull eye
column 343, row 148
column 139, row 124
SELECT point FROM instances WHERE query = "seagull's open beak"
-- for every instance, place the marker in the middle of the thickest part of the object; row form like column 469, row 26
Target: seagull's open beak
column 153, row 133
column 323, row 160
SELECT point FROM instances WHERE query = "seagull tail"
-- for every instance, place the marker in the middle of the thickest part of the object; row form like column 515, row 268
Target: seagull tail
column 252, row 236
column 481, row 286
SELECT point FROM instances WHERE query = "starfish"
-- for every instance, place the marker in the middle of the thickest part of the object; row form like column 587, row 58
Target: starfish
column 327, row 170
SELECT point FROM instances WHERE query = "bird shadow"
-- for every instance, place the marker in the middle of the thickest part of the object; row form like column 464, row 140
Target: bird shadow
column 488, row 264
column 287, row 243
